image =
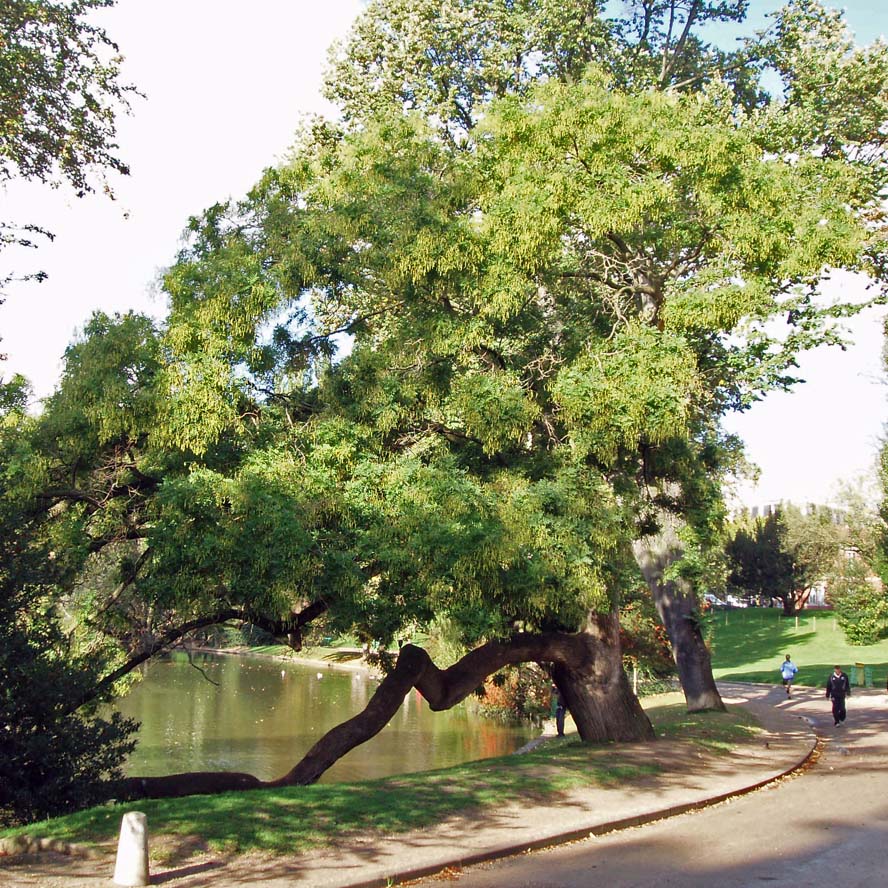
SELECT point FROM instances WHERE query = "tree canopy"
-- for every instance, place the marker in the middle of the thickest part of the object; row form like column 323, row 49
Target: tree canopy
column 576, row 267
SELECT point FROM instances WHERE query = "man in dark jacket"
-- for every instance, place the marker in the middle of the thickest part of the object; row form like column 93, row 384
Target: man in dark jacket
column 837, row 688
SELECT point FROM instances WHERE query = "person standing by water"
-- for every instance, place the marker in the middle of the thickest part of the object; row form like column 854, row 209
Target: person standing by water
column 558, row 709
column 837, row 688
column 788, row 671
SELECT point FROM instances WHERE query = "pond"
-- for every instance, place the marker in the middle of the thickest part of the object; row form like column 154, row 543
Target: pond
column 261, row 716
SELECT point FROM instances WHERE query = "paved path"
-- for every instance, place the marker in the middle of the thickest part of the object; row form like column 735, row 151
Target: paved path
column 826, row 827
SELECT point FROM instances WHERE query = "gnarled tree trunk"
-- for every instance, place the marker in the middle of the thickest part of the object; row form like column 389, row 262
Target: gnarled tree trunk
column 677, row 606
column 596, row 689
column 588, row 669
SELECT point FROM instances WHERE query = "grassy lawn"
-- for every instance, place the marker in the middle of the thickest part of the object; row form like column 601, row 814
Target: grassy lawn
column 302, row 818
column 749, row 644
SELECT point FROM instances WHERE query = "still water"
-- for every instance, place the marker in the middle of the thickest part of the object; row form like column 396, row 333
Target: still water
column 263, row 715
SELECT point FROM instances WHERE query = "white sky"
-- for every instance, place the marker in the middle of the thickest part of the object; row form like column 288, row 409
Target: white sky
column 225, row 84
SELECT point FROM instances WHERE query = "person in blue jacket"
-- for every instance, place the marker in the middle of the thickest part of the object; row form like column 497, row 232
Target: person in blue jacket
column 837, row 688
column 788, row 670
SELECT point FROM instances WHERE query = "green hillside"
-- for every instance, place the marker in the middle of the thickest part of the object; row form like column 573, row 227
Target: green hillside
column 749, row 644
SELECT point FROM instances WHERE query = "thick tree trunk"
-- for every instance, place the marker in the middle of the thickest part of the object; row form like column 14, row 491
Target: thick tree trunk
column 677, row 605
column 597, row 691
column 588, row 671
column 795, row 602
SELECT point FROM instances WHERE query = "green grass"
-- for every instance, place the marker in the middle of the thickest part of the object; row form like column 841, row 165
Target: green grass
column 714, row 731
column 749, row 644
column 299, row 819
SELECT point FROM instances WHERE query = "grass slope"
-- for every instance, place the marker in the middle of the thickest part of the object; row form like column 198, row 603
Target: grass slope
column 749, row 645
column 299, row 819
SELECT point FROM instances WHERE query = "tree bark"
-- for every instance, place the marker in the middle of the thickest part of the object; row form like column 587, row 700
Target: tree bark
column 597, row 690
column 589, row 672
column 677, row 605
column 794, row 603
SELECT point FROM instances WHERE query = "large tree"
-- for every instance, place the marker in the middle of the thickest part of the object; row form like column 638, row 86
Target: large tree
column 596, row 264
column 277, row 524
column 758, row 563
column 551, row 303
column 660, row 251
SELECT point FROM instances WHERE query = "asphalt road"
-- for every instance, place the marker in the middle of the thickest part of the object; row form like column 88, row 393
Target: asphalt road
column 827, row 826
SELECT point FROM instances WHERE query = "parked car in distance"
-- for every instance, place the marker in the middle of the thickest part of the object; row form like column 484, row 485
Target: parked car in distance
column 713, row 600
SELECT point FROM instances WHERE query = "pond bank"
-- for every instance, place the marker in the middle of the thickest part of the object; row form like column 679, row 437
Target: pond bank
column 349, row 659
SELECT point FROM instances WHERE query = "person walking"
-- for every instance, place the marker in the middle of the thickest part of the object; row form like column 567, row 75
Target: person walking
column 837, row 688
column 788, row 671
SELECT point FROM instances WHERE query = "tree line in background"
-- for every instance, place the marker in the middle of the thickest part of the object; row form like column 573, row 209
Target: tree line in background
column 840, row 552
column 463, row 357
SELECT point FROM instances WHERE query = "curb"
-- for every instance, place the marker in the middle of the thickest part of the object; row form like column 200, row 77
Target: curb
column 14, row 846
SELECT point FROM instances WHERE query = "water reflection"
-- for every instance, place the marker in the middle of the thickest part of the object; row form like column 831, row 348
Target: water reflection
column 262, row 716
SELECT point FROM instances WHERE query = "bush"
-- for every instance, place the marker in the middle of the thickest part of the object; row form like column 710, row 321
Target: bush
column 861, row 604
column 520, row 693
column 644, row 640
column 51, row 761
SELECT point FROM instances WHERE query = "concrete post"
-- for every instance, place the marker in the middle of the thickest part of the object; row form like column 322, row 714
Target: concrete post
column 132, row 851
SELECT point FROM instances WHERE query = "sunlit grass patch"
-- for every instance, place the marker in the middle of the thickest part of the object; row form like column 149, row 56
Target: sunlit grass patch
column 715, row 731
column 749, row 644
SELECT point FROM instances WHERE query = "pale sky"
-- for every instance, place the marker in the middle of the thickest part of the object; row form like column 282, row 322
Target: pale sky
column 226, row 83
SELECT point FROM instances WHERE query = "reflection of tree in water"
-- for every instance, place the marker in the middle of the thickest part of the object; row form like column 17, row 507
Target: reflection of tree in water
column 260, row 717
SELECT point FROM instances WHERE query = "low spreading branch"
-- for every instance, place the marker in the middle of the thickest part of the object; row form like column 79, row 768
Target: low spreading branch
column 289, row 629
column 442, row 689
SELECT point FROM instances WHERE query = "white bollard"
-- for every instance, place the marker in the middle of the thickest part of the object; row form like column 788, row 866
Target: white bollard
column 132, row 851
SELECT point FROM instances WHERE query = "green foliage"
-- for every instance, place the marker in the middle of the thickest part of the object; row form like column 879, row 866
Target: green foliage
column 107, row 390
column 495, row 409
column 59, row 91
column 51, row 760
column 861, row 603
column 640, row 386
column 760, row 565
column 643, row 637
column 785, row 554
column 856, row 586
column 446, row 60
column 14, row 395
